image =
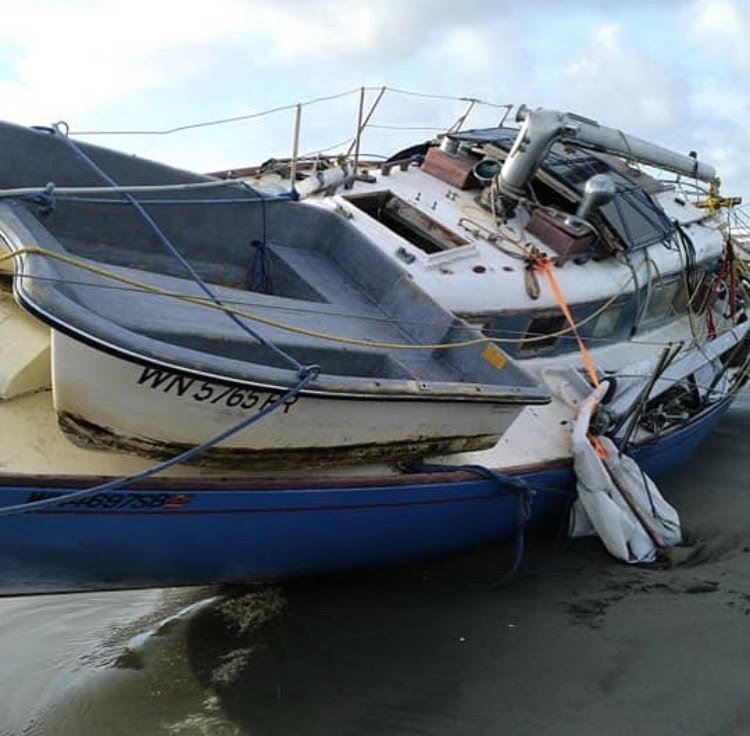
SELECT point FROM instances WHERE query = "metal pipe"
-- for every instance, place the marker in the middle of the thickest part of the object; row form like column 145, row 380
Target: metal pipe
column 361, row 128
column 542, row 128
column 295, row 146
column 360, row 110
column 462, row 119
column 508, row 109
column 321, row 180
column 667, row 356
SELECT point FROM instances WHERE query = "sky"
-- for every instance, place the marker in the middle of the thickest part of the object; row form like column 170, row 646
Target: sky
column 676, row 72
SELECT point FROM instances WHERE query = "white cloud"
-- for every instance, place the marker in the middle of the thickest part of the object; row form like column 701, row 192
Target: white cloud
column 80, row 56
column 469, row 48
column 613, row 79
column 723, row 28
column 86, row 55
column 652, row 69
column 720, row 94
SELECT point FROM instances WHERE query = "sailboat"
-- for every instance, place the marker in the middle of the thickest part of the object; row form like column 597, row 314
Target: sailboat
column 455, row 305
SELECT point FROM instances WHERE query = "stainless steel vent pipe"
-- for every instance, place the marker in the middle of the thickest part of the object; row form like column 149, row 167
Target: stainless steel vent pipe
column 597, row 191
column 542, row 128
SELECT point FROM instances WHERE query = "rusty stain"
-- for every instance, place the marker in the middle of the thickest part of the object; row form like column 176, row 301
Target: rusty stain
column 92, row 436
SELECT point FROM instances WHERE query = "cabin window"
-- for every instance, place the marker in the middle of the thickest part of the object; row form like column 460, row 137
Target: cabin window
column 544, row 329
column 407, row 221
column 607, row 322
column 659, row 301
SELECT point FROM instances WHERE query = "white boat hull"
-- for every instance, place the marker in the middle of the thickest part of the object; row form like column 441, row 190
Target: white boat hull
column 106, row 402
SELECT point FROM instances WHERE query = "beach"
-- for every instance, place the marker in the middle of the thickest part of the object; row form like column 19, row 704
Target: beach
column 577, row 644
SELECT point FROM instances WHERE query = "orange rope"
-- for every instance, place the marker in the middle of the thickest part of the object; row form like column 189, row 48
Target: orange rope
column 544, row 264
column 601, row 453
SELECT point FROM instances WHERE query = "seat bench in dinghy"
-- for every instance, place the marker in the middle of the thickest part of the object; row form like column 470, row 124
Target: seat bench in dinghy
column 144, row 361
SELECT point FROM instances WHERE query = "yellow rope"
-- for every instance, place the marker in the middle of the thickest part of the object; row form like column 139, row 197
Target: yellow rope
column 200, row 301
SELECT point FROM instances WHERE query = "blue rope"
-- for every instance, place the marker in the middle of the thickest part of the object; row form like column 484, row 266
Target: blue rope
column 45, row 199
column 309, row 373
column 183, row 261
column 521, row 491
column 258, row 267
column 258, row 276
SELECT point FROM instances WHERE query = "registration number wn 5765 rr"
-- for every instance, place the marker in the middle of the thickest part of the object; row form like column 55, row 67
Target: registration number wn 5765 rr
column 194, row 389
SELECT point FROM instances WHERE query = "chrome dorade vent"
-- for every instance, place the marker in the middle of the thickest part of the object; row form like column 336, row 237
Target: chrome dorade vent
column 597, row 191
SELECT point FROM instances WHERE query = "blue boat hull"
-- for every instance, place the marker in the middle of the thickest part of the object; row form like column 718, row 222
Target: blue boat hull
column 162, row 535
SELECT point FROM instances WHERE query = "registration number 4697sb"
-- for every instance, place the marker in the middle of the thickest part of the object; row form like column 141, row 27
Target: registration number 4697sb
column 115, row 500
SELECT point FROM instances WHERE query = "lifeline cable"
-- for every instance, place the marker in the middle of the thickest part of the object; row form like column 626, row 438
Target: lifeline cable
column 240, row 118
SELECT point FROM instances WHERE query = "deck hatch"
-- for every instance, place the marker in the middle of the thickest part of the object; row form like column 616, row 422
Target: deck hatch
column 408, row 221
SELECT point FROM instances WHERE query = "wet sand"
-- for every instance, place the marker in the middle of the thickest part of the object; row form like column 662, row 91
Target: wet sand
column 578, row 644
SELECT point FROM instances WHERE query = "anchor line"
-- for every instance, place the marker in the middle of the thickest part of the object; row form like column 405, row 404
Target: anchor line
column 192, row 452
